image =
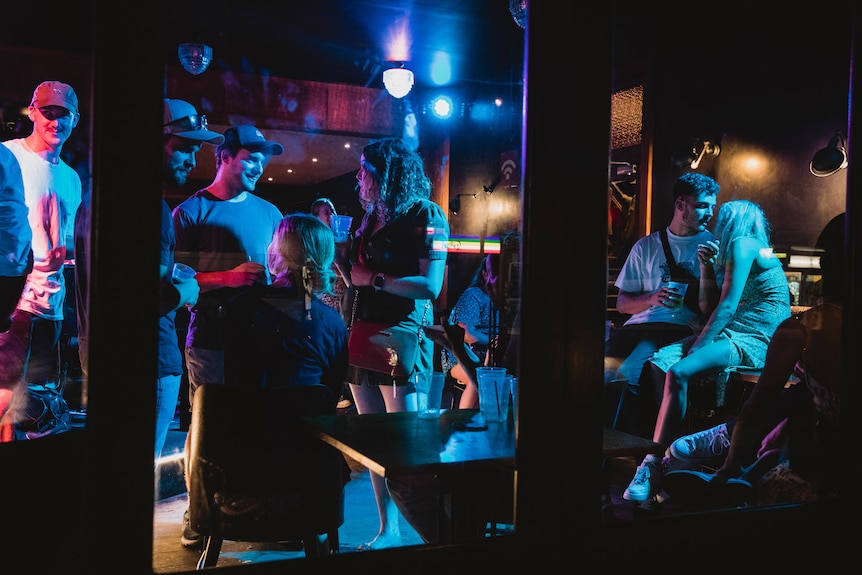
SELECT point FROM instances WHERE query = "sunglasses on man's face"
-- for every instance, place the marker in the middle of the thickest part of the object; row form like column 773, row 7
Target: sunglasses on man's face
column 188, row 124
column 51, row 113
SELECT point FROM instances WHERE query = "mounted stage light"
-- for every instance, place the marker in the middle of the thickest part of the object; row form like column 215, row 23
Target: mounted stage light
column 830, row 159
column 398, row 80
column 692, row 157
column 455, row 202
column 195, row 57
column 442, row 107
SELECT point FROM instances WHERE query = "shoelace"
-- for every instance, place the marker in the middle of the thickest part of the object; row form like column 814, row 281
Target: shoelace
column 696, row 441
column 641, row 474
column 719, row 443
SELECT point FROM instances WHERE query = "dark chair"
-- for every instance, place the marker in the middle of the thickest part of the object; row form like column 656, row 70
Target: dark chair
column 256, row 474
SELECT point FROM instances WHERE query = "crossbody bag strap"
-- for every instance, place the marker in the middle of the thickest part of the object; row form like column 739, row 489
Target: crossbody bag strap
column 353, row 311
column 667, row 254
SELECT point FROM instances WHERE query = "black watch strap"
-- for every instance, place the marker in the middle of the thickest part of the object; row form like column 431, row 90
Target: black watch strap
column 378, row 281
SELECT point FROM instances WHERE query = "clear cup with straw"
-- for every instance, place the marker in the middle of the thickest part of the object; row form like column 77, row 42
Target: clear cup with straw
column 494, row 393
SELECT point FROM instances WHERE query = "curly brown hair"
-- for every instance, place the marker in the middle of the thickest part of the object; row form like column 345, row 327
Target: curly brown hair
column 400, row 172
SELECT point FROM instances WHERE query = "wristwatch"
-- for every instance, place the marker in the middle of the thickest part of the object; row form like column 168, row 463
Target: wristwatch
column 378, row 281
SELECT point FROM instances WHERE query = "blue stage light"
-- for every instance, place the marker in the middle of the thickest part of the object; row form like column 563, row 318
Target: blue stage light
column 442, row 107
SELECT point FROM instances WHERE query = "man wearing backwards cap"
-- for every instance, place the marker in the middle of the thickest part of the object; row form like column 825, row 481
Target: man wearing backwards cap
column 52, row 192
column 223, row 231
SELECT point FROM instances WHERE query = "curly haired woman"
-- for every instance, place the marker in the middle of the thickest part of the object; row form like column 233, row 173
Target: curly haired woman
column 396, row 266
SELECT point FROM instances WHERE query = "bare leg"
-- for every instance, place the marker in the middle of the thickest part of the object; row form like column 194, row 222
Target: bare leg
column 390, row 530
column 674, row 401
column 673, row 406
column 470, row 395
column 376, row 399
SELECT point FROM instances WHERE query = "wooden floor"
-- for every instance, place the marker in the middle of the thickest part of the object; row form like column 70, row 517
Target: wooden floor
column 360, row 526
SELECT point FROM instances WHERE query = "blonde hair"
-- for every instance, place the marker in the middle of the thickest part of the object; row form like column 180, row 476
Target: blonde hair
column 318, row 204
column 737, row 219
column 302, row 241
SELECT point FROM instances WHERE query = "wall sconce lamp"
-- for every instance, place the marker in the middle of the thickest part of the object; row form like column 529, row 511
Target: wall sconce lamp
column 398, row 80
column 692, row 157
column 708, row 148
column 830, row 159
column 195, row 57
column 623, row 172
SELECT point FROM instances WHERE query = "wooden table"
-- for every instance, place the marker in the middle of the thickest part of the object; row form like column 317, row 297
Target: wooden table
column 396, row 445
column 617, row 443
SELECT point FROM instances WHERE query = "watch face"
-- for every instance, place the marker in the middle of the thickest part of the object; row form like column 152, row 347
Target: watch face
column 378, row 281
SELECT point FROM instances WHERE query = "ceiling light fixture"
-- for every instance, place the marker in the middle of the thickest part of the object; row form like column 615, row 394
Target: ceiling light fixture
column 830, row 159
column 195, row 57
column 398, row 80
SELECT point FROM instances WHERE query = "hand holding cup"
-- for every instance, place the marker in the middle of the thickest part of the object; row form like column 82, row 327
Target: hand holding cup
column 707, row 253
column 672, row 294
column 183, row 278
column 341, row 227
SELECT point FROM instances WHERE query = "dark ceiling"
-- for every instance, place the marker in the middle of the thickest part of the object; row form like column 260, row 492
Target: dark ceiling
column 342, row 41
column 337, row 41
column 345, row 41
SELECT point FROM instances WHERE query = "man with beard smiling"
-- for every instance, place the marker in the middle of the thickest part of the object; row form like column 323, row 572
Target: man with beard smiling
column 223, row 231
column 184, row 133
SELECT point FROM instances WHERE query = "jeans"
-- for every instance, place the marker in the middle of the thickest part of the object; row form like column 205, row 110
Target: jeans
column 30, row 349
column 629, row 348
column 167, row 394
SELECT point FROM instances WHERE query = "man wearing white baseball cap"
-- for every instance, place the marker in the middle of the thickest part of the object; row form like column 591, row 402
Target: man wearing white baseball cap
column 52, row 192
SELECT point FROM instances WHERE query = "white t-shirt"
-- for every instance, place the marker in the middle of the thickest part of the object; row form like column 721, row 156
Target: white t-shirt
column 646, row 267
column 52, row 193
column 15, row 235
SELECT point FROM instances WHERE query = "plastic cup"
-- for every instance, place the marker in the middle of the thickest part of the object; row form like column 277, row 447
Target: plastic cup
column 341, row 227
column 429, row 393
column 494, row 391
column 182, row 272
column 513, row 389
column 680, row 288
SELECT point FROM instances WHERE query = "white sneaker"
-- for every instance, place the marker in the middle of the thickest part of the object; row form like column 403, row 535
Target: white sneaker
column 702, row 446
column 646, row 482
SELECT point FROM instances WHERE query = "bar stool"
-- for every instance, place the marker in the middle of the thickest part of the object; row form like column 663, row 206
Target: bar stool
column 622, row 385
column 715, row 399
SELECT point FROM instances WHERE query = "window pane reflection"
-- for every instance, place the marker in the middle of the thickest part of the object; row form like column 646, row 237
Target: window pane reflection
column 735, row 141
column 320, row 95
column 46, row 117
